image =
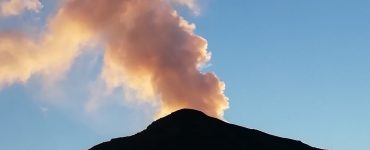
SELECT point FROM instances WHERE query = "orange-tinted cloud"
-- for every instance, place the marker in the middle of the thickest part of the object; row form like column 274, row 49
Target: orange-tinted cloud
column 149, row 48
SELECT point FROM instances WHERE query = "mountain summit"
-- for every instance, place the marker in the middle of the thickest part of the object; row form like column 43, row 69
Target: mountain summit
column 188, row 129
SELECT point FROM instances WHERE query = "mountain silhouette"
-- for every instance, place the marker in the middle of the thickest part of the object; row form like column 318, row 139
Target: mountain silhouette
column 188, row 129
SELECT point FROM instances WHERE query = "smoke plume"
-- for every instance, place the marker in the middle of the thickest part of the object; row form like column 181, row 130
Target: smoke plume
column 148, row 48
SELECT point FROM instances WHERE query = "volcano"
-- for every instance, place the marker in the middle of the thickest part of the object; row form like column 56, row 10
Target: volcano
column 188, row 129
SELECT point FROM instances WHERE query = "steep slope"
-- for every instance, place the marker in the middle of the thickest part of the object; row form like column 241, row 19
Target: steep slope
column 192, row 129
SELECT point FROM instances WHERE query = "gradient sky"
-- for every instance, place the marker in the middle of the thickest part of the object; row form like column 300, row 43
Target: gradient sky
column 294, row 68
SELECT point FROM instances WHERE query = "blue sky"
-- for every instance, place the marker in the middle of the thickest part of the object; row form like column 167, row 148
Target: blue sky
column 296, row 69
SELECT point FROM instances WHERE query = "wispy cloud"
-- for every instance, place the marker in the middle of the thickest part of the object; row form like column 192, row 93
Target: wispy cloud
column 17, row 7
column 190, row 4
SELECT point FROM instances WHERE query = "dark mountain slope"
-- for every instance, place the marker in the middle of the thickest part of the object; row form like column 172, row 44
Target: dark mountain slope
column 189, row 129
